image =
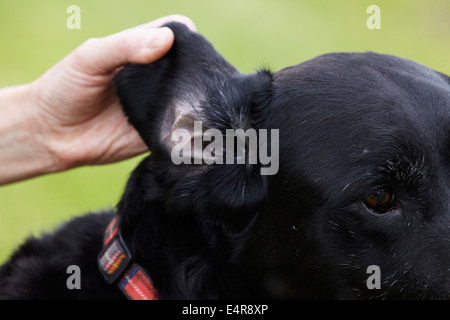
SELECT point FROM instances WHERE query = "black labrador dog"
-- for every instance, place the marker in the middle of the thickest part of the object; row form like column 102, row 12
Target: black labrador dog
column 348, row 197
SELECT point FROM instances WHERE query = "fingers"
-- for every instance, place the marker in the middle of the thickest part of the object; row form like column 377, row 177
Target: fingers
column 138, row 45
column 142, row 44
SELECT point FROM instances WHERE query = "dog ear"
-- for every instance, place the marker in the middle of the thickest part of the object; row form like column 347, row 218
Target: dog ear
column 190, row 98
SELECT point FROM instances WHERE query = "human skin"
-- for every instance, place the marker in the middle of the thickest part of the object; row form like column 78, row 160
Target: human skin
column 71, row 116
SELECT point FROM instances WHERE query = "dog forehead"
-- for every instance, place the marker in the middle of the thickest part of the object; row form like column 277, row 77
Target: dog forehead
column 337, row 109
column 355, row 92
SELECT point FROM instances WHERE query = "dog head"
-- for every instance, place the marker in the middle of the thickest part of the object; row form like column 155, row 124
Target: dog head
column 339, row 186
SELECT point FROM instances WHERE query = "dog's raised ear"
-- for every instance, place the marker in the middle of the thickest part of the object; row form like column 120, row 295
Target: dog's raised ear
column 187, row 100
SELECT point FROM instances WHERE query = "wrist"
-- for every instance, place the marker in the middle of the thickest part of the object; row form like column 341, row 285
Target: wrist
column 23, row 149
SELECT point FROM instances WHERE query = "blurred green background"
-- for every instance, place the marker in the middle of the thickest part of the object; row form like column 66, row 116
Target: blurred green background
column 249, row 33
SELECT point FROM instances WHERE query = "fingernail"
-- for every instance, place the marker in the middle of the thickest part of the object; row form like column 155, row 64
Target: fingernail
column 159, row 38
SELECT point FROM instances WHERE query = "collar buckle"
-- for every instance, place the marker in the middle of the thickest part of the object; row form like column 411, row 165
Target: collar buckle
column 114, row 264
column 114, row 258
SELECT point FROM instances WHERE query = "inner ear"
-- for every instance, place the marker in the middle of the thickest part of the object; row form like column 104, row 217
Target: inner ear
column 199, row 173
column 181, row 113
column 166, row 101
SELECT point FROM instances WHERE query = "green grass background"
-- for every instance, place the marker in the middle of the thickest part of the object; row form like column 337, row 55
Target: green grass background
column 249, row 33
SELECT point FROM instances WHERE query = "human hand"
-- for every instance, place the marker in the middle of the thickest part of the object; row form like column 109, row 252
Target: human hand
column 77, row 112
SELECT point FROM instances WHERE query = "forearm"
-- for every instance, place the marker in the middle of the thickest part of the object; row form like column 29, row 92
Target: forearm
column 23, row 153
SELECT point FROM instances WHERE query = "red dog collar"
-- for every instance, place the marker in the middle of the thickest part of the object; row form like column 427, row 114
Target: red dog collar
column 115, row 264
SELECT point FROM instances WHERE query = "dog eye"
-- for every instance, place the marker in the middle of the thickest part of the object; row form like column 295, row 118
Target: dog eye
column 381, row 201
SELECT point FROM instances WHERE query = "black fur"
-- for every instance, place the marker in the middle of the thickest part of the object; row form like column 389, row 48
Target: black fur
column 349, row 124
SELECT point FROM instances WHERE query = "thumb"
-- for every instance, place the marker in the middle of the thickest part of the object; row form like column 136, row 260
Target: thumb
column 137, row 45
